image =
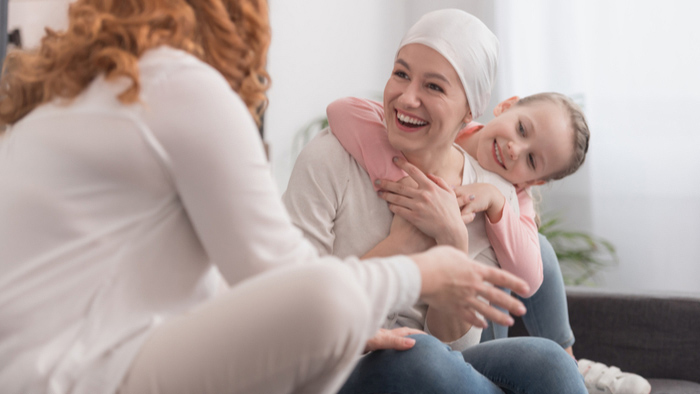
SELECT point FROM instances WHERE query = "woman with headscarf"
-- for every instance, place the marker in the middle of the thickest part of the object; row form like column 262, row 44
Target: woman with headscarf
column 442, row 78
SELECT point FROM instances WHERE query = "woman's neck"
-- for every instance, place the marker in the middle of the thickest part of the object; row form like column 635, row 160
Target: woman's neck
column 447, row 164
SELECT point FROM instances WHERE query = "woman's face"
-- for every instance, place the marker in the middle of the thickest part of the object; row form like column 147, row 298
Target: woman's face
column 424, row 101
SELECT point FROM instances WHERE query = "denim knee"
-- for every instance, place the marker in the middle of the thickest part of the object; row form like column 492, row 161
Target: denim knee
column 429, row 366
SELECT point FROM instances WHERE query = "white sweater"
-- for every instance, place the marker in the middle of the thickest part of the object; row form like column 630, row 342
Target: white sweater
column 117, row 217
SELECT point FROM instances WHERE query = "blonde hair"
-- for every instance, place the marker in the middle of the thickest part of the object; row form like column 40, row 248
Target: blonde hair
column 577, row 120
column 108, row 37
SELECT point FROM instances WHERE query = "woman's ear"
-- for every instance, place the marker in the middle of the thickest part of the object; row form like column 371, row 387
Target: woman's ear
column 504, row 105
column 467, row 118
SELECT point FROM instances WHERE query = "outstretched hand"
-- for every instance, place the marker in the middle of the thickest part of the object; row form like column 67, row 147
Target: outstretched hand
column 454, row 283
column 427, row 202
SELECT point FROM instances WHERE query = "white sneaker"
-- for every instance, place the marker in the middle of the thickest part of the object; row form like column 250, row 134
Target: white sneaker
column 601, row 379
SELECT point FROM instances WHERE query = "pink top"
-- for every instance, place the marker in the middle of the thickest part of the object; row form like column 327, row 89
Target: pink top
column 360, row 127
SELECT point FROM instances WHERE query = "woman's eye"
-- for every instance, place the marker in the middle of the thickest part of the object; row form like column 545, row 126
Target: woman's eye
column 401, row 74
column 435, row 87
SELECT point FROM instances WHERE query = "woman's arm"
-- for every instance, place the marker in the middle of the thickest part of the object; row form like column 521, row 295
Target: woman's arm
column 210, row 148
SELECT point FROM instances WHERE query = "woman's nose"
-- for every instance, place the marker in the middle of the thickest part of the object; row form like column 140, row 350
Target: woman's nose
column 410, row 96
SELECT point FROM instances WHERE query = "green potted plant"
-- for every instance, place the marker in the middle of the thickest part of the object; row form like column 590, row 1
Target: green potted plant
column 581, row 255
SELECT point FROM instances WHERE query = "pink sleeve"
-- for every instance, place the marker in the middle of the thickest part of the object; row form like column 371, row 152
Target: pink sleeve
column 516, row 243
column 359, row 126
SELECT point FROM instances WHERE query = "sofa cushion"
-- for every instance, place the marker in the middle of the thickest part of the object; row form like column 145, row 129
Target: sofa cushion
column 670, row 386
column 653, row 335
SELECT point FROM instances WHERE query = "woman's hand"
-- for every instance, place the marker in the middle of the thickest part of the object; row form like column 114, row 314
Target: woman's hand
column 428, row 203
column 453, row 283
column 480, row 197
column 392, row 339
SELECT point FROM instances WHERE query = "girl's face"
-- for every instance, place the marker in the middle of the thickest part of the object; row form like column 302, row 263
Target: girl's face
column 526, row 144
column 424, row 101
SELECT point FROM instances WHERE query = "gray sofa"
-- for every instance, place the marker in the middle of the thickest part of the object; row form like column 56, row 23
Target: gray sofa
column 656, row 336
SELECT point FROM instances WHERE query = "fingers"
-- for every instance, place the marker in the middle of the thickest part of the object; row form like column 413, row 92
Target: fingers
column 396, row 188
column 397, row 342
column 401, row 211
column 439, row 181
column 493, row 314
column 412, row 171
column 465, row 199
column 498, row 297
column 396, row 199
column 470, row 316
column 468, row 217
column 406, row 331
column 499, row 277
column 392, row 339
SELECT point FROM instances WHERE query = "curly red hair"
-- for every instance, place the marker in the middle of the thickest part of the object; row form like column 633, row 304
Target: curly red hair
column 108, row 37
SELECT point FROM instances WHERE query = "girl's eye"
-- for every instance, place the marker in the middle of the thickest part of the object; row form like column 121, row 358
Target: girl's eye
column 435, row 87
column 521, row 129
column 531, row 159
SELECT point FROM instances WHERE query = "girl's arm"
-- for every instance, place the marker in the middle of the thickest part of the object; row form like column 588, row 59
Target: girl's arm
column 515, row 241
column 359, row 126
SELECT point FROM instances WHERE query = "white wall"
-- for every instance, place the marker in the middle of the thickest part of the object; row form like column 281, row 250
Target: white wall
column 635, row 67
column 31, row 16
column 321, row 51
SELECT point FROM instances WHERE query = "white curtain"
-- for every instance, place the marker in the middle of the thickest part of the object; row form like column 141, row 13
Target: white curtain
column 634, row 66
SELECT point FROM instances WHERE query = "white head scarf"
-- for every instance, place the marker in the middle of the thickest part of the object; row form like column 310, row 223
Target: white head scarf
column 469, row 46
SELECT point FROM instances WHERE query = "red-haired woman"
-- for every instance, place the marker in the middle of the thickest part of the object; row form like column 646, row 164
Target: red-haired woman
column 140, row 225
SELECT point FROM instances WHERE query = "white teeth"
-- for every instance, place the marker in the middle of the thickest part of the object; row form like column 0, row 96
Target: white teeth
column 408, row 119
column 498, row 153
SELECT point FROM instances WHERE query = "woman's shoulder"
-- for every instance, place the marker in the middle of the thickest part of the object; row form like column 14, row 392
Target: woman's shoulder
column 166, row 65
column 324, row 147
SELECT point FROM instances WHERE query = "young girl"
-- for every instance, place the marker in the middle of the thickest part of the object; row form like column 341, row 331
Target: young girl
column 505, row 148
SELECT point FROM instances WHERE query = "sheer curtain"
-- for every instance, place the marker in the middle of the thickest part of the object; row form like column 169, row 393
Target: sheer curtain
column 633, row 66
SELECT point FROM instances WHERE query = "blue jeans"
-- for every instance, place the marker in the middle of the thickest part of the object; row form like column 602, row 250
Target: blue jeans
column 547, row 311
column 503, row 366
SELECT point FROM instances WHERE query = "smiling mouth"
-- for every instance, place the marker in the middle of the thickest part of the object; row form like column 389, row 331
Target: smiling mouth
column 408, row 121
column 497, row 154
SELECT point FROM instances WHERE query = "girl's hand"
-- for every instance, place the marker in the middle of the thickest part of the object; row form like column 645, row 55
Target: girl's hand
column 480, row 197
column 428, row 203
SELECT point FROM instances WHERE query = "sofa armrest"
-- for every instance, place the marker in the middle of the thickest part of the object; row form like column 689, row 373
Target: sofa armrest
column 654, row 335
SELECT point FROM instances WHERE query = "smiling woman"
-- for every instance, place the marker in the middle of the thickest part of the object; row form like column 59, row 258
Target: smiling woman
column 442, row 77
column 425, row 91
